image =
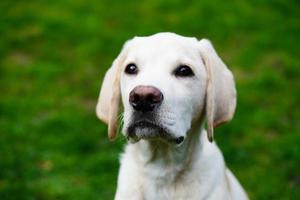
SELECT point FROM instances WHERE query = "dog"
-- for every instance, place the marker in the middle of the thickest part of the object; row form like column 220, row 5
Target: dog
column 170, row 87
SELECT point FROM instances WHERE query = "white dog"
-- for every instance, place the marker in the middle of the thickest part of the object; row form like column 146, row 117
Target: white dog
column 170, row 85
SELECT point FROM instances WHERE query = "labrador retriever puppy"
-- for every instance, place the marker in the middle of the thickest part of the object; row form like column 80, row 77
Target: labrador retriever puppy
column 170, row 87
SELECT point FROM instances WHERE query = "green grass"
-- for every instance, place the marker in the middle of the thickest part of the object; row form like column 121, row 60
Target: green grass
column 53, row 55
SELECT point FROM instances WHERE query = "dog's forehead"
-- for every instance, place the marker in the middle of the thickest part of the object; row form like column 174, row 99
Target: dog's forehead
column 168, row 45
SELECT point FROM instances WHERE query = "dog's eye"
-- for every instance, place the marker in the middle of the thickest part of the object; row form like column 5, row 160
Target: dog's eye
column 183, row 71
column 131, row 69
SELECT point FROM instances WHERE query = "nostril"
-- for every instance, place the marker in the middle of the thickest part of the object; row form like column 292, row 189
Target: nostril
column 155, row 97
column 133, row 97
column 136, row 98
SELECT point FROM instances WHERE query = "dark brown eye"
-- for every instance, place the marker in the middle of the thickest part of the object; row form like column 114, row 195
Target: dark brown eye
column 131, row 69
column 183, row 71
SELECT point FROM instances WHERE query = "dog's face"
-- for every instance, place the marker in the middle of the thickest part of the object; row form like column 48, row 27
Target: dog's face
column 166, row 82
column 163, row 84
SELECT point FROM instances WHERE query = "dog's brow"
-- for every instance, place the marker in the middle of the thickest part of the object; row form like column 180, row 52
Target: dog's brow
column 185, row 62
column 128, row 61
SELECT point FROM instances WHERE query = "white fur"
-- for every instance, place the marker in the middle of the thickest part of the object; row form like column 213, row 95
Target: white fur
column 159, row 169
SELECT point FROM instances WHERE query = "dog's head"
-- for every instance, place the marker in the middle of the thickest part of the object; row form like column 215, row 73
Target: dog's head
column 166, row 82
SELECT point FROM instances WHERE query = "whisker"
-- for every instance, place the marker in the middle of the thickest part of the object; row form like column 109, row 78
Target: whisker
column 169, row 123
column 167, row 116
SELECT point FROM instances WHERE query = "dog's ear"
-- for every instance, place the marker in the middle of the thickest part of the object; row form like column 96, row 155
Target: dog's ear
column 107, row 108
column 220, row 91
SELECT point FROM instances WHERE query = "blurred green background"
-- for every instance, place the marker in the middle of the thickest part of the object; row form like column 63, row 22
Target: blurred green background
column 53, row 55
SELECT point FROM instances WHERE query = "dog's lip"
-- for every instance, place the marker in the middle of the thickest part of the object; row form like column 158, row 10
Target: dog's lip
column 163, row 132
column 147, row 124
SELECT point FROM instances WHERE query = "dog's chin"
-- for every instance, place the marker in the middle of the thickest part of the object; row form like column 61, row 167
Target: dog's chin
column 150, row 131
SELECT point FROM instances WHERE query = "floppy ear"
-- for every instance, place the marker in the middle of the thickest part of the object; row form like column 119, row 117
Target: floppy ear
column 220, row 91
column 107, row 108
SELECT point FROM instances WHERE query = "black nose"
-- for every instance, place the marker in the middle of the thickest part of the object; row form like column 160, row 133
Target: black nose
column 145, row 98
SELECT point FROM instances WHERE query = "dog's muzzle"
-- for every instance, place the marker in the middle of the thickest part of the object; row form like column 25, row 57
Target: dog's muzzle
column 145, row 129
column 145, row 101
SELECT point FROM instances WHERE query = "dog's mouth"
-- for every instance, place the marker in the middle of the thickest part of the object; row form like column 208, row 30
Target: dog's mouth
column 150, row 130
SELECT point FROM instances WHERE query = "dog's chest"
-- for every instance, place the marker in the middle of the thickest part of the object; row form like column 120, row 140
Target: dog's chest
column 144, row 176
column 164, row 189
column 168, row 183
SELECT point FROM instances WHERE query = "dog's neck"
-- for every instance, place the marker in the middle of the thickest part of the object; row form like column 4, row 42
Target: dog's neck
column 168, row 160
